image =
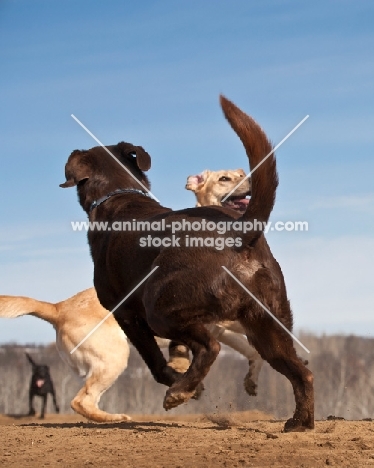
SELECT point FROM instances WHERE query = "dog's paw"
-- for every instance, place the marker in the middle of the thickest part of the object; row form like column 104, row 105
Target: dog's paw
column 179, row 364
column 170, row 376
column 32, row 412
column 293, row 425
column 199, row 391
column 250, row 386
column 174, row 399
column 108, row 417
column 57, row 409
column 125, row 417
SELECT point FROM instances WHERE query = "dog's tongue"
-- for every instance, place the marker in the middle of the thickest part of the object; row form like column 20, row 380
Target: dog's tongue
column 40, row 383
column 242, row 204
column 238, row 204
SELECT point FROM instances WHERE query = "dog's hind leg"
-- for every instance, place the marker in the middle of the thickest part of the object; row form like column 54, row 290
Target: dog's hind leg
column 276, row 347
column 204, row 349
column 251, row 378
column 239, row 343
column 179, row 360
column 87, row 400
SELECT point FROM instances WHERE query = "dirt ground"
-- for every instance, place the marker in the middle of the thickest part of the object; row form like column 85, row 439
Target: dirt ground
column 234, row 440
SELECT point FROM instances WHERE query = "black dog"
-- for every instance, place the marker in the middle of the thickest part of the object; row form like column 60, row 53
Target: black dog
column 40, row 385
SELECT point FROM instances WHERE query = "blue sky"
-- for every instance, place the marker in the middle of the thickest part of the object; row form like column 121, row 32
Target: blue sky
column 150, row 73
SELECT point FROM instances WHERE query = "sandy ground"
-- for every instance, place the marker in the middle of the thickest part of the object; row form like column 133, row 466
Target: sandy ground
column 234, row 440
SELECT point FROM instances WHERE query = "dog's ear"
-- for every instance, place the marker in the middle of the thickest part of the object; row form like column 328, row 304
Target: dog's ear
column 30, row 360
column 74, row 176
column 73, row 180
column 69, row 183
column 75, row 170
column 196, row 182
column 143, row 159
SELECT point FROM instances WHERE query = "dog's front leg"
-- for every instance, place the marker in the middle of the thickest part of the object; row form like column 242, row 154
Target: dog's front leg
column 44, row 404
column 31, row 406
column 54, row 398
column 142, row 337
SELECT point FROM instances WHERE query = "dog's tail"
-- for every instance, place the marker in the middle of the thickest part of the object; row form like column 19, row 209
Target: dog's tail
column 264, row 178
column 16, row 306
column 33, row 363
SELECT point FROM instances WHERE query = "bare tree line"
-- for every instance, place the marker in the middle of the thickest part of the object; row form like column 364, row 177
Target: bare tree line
column 343, row 368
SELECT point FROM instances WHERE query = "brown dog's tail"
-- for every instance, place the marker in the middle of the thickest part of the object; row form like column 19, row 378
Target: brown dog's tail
column 16, row 306
column 264, row 178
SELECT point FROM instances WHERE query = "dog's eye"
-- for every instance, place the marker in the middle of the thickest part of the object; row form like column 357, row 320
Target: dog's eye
column 224, row 179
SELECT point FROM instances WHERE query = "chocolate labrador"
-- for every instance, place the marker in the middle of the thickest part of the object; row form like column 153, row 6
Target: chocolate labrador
column 189, row 288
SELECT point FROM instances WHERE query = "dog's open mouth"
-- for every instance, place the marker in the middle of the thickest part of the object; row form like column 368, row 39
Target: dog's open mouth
column 39, row 383
column 237, row 203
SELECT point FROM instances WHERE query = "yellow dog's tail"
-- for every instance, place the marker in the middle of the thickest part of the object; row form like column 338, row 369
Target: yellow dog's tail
column 16, row 306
